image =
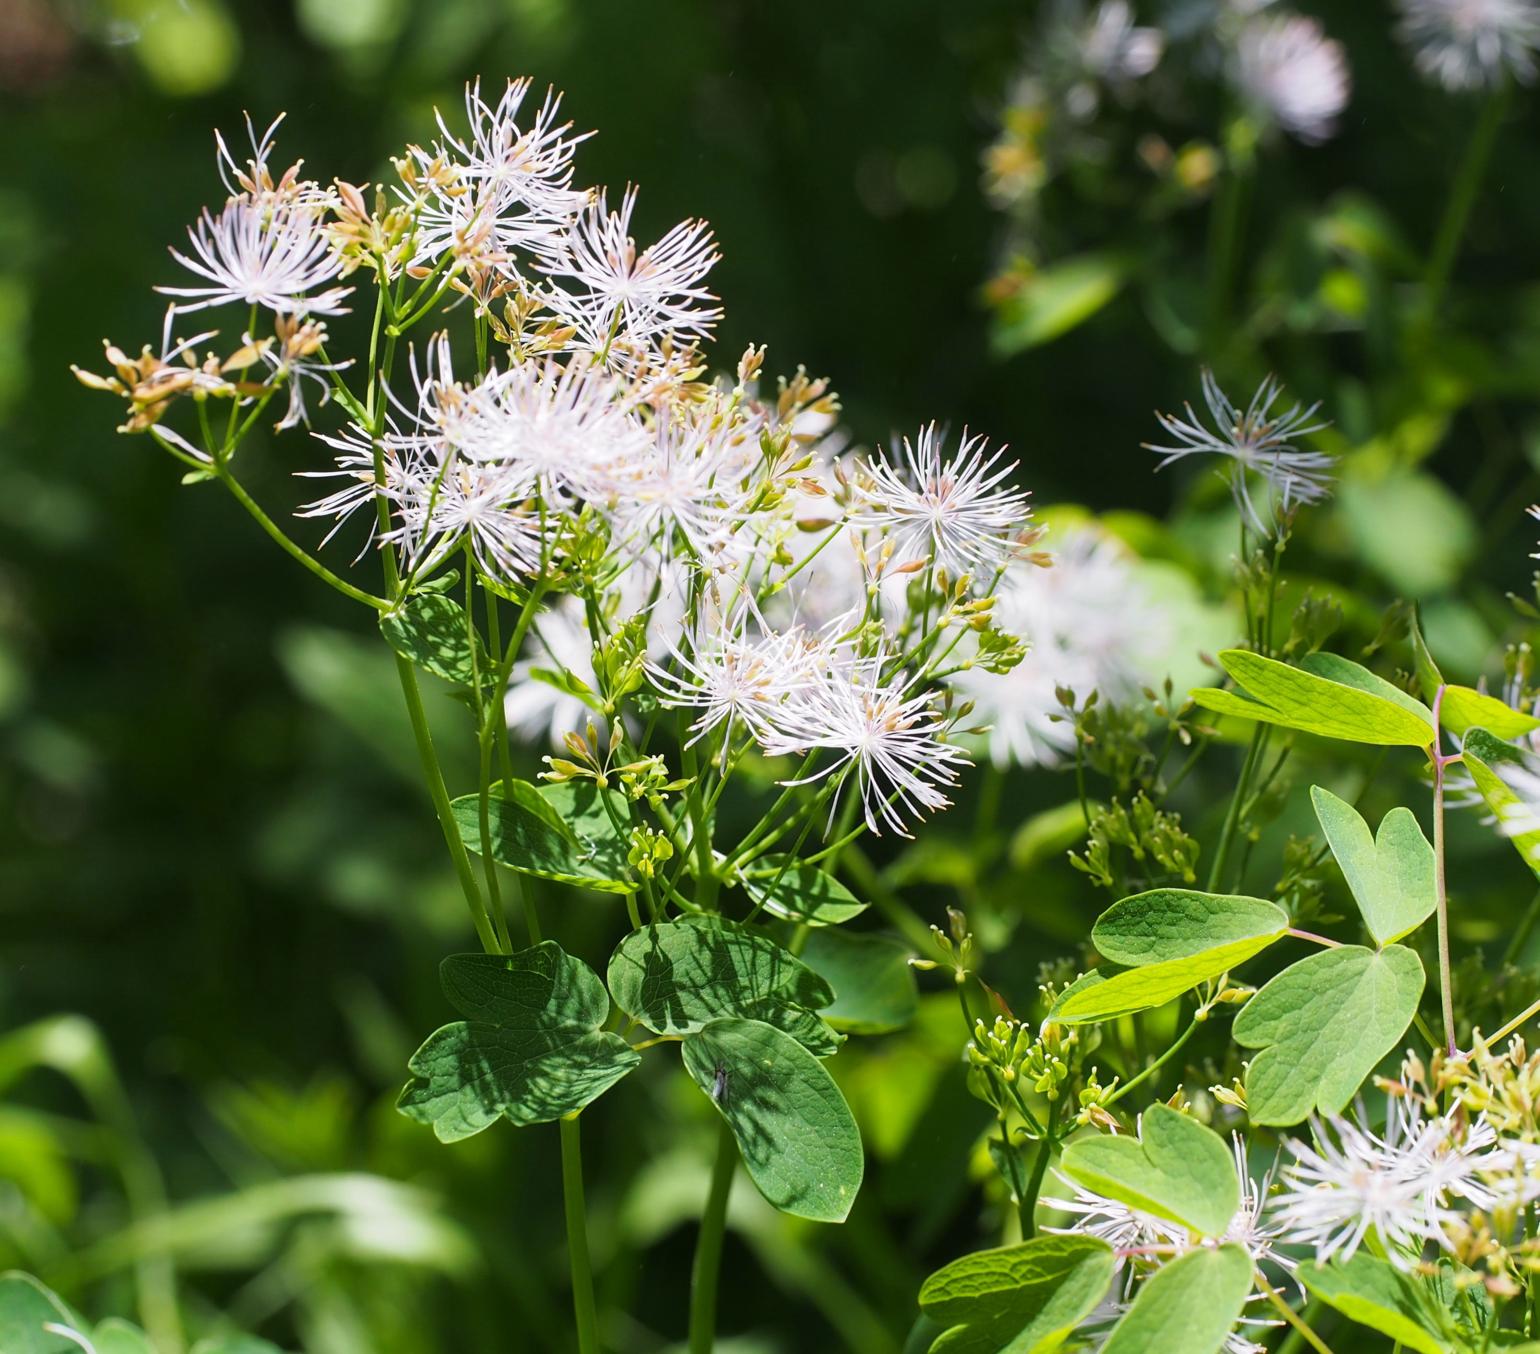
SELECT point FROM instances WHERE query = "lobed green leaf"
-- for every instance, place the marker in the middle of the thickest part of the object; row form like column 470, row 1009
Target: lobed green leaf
column 1483, row 753
column 1187, row 1306
column 1390, row 875
column 1166, row 924
column 1376, row 1294
column 874, row 987
column 529, row 835
column 429, row 630
column 800, row 892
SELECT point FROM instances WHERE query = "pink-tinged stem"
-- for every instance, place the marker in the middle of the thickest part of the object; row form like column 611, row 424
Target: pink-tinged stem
column 1445, row 982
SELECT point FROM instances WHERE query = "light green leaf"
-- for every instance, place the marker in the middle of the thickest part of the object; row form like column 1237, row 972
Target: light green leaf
column 1325, row 695
column 1390, row 875
column 801, row 893
column 1021, row 1299
column 1322, row 1025
column 796, row 1134
column 1373, row 1293
column 1166, row 924
column 530, row 1052
column 115, row 1336
column 1483, row 754
column 873, row 981
column 1462, row 707
column 1055, row 299
column 429, row 629
column 26, row 1306
column 1188, row 1306
column 677, row 976
column 528, row 835
column 1096, row 997
column 235, row 1344
column 1177, row 1169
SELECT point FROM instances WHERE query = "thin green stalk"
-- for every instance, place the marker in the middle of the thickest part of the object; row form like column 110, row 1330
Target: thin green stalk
column 1441, row 892
column 1462, row 197
column 1232, row 815
column 577, row 1237
column 708, row 1245
column 290, row 548
column 1039, row 1170
column 1227, row 225
column 1155, row 1066
column 1301, row 1331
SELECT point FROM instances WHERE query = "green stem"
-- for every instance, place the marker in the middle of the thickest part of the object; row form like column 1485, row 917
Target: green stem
column 1232, row 815
column 1462, row 197
column 290, row 548
column 1039, row 1170
column 708, row 1246
column 1226, row 226
column 1156, row 1065
column 577, row 1237
column 1301, row 1331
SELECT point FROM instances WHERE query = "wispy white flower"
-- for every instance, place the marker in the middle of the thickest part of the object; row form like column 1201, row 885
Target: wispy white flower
column 958, row 511
column 1115, row 49
column 558, row 643
column 262, row 255
column 1259, row 442
column 1089, row 623
column 882, row 735
column 293, row 357
column 1287, row 69
column 611, row 289
column 1471, row 44
column 531, row 160
column 1353, row 1181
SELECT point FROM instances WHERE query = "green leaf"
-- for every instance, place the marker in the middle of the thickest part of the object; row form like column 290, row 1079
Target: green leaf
column 115, row 1336
column 1024, row 1299
column 26, row 1306
column 429, row 629
column 1188, row 1306
column 1483, row 754
column 1056, row 299
column 1373, row 1293
column 1097, row 997
column 1166, row 924
column 530, row 1052
column 801, row 893
column 796, row 1134
column 529, row 835
column 1325, row 695
column 873, row 981
column 677, row 976
column 580, row 807
column 1390, row 875
column 1177, row 1169
column 1322, row 1025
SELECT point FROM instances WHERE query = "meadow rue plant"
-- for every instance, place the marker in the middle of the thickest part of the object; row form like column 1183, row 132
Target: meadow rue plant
column 1241, row 1115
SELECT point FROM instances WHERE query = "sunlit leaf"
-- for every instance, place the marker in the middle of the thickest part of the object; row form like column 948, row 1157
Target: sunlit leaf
column 1390, row 874
column 1373, row 1293
column 1166, row 924
column 1176, row 1169
column 800, row 892
column 1322, row 1026
column 529, row 835
column 1187, row 1306
column 1024, row 1298
column 1483, row 755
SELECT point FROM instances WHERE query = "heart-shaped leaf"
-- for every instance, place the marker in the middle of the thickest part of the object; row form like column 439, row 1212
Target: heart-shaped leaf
column 675, row 977
column 1024, row 1299
column 26, row 1307
column 1188, row 1306
column 800, row 892
column 1323, row 1024
column 430, row 630
column 1324, row 695
column 796, row 1134
column 1373, row 1293
column 1176, row 1169
column 1390, row 874
column 530, row 1052
column 1489, row 760
column 529, row 835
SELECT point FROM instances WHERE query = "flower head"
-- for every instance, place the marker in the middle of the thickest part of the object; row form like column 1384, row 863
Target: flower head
column 1258, row 441
column 1471, row 44
column 957, row 511
column 612, row 290
column 1286, row 67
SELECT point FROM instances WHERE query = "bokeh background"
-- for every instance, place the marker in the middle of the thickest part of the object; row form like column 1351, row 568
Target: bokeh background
column 213, row 849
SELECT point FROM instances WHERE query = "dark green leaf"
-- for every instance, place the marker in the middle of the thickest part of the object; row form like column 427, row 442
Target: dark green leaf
column 1373, row 1293
column 801, row 893
column 1024, row 1299
column 675, row 977
column 528, row 835
column 429, row 629
column 26, row 1306
column 796, row 1134
column 1484, row 755
column 1165, row 924
column 530, row 1052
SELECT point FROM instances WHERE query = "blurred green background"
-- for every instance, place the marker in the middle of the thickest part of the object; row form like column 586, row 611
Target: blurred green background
column 212, row 843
